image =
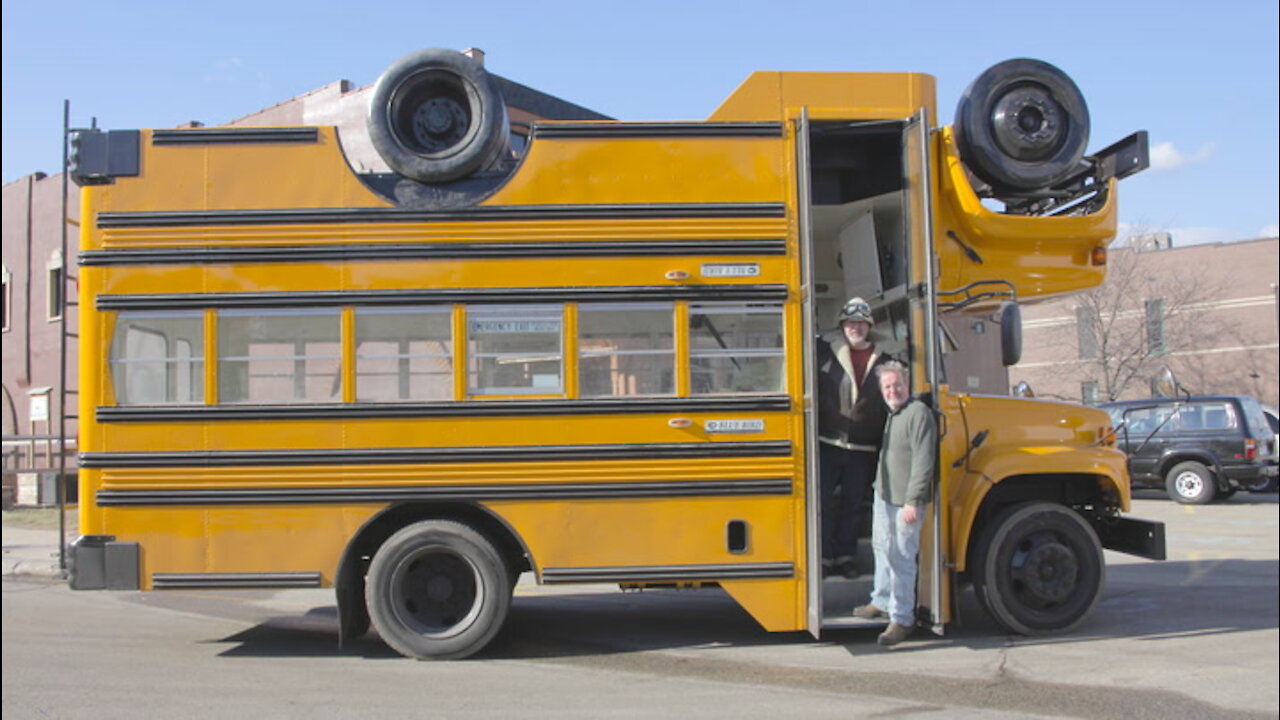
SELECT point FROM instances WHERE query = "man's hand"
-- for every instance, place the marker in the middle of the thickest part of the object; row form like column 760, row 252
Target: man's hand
column 909, row 514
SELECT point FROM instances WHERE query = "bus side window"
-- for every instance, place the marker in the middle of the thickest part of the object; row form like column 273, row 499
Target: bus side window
column 158, row 358
column 626, row 349
column 404, row 353
column 515, row 350
column 279, row 356
column 736, row 348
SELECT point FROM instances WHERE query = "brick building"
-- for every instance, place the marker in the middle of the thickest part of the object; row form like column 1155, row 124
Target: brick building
column 1209, row 312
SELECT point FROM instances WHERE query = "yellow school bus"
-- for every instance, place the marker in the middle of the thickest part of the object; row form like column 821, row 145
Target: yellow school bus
column 584, row 348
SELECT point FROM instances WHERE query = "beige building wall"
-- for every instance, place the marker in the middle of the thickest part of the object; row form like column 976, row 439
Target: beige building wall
column 1220, row 325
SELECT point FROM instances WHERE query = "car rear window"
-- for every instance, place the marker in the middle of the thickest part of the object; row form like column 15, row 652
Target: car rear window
column 1206, row 416
column 1254, row 416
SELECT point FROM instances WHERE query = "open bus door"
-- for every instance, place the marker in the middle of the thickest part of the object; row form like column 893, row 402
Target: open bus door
column 932, row 588
column 812, row 486
column 880, row 239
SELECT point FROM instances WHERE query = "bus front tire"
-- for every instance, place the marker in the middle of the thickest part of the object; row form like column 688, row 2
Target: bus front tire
column 438, row 589
column 1022, row 125
column 436, row 116
column 1191, row 483
column 1039, row 568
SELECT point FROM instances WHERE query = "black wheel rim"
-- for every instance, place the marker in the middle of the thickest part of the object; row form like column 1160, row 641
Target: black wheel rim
column 1043, row 571
column 1028, row 123
column 433, row 113
column 436, row 592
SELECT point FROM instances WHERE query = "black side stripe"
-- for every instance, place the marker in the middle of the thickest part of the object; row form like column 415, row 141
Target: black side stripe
column 336, row 298
column 668, row 573
column 463, row 493
column 294, row 216
column 415, row 456
column 657, row 130
column 212, row 136
column 485, row 408
column 447, row 251
column 172, row 581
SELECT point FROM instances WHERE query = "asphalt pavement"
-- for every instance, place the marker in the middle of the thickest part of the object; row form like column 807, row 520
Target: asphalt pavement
column 1194, row 636
column 33, row 551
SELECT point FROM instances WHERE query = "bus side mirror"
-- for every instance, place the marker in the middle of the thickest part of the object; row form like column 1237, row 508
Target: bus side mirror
column 1166, row 385
column 1010, row 319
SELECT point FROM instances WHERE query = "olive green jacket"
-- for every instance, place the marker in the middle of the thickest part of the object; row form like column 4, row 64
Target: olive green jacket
column 908, row 456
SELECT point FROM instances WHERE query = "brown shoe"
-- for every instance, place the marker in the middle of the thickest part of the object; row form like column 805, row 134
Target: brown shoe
column 893, row 635
column 869, row 612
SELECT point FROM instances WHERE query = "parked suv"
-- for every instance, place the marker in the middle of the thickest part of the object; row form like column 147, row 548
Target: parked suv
column 1198, row 448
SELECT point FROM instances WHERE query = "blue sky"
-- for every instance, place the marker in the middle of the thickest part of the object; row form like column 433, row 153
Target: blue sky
column 1202, row 78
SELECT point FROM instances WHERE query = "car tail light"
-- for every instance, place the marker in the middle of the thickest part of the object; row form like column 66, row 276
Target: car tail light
column 1250, row 449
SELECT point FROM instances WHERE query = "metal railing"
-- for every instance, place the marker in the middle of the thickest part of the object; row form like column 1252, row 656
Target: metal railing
column 36, row 453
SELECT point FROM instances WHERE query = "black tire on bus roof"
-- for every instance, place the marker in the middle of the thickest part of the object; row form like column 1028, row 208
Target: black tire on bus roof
column 1022, row 125
column 436, row 116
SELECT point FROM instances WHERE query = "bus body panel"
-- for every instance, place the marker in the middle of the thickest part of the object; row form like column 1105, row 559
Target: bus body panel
column 706, row 481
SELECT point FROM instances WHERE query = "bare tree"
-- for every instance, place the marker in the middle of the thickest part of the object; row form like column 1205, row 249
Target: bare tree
column 1142, row 317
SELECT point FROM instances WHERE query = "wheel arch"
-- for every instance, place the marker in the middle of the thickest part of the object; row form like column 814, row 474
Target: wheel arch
column 1204, row 457
column 349, row 581
column 1090, row 494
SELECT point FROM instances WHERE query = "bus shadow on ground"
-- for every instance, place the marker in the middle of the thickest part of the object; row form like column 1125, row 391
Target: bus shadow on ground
column 1144, row 601
column 1149, row 602
column 314, row 634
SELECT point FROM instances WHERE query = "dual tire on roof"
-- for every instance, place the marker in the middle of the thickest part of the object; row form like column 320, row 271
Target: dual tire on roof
column 436, row 116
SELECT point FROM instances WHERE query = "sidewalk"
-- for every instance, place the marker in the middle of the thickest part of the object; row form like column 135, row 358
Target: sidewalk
column 32, row 551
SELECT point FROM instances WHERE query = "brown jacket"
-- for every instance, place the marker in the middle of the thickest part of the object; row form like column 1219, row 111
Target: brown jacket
column 849, row 416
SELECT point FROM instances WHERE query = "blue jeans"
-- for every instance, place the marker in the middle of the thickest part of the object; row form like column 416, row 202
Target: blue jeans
column 895, row 544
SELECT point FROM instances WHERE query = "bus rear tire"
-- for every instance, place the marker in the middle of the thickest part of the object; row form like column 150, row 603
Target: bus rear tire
column 438, row 589
column 436, row 116
column 1039, row 568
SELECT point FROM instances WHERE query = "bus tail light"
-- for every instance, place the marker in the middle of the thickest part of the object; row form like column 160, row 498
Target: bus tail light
column 1107, row 436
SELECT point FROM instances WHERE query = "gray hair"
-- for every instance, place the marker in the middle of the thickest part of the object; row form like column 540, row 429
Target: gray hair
column 894, row 366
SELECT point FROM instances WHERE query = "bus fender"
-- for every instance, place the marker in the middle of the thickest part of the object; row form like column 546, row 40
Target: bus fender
column 1013, row 475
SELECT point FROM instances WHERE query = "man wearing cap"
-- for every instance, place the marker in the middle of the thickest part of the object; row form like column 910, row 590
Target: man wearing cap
column 851, row 414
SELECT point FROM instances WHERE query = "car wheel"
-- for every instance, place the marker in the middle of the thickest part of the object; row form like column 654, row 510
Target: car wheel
column 438, row 589
column 1038, row 568
column 1191, row 483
